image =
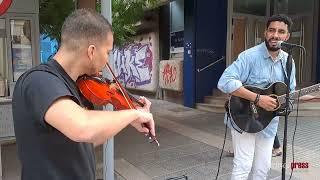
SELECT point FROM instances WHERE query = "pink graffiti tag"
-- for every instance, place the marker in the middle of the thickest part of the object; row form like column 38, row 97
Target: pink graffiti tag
column 169, row 74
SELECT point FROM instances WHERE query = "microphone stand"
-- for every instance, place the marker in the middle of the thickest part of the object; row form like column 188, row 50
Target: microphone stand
column 287, row 82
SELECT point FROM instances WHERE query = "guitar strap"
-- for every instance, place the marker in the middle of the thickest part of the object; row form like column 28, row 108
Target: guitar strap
column 287, row 77
column 285, row 73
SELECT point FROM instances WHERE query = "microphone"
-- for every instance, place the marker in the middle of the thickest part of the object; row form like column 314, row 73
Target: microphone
column 281, row 44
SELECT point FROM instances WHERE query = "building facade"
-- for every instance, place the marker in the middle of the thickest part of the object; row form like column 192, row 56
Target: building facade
column 215, row 29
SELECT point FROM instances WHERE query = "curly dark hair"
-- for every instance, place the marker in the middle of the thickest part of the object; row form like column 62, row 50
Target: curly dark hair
column 281, row 18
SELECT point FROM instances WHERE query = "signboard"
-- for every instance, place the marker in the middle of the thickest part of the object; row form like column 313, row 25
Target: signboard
column 4, row 6
column 176, row 44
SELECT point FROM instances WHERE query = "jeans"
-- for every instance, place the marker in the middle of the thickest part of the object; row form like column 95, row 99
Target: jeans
column 276, row 143
column 251, row 153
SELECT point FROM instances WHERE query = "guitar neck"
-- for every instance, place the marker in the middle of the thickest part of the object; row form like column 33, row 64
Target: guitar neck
column 296, row 94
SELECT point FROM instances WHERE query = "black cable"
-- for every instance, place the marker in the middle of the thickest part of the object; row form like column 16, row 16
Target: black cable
column 296, row 122
column 294, row 133
column 224, row 142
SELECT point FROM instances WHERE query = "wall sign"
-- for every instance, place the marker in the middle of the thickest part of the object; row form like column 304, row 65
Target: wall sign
column 176, row 44
column 4, row 6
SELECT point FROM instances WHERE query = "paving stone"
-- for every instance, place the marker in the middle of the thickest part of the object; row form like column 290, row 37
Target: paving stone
column 154, row 170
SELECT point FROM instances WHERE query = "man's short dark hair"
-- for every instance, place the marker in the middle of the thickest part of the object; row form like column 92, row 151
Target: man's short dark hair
column 84, row 25
column 280, row 18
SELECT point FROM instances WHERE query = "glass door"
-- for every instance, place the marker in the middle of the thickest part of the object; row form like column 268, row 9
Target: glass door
column 239, row 36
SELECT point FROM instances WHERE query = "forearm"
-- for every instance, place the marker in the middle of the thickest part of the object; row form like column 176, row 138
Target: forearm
column 101, row 125
column 81, row 125
column 245, row 94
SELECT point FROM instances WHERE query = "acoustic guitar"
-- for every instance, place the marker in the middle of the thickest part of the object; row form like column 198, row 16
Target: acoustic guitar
column 251, row 118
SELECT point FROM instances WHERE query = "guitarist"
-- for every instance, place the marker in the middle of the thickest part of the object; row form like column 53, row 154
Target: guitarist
column 258, row 66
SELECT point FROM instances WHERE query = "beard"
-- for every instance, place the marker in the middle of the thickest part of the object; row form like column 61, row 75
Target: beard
column 269, row 47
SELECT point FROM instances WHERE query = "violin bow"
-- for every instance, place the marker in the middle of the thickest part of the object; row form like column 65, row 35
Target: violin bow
column 126, row 96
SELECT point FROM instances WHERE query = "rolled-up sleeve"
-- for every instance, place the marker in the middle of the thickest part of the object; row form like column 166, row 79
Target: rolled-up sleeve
column 234, row 75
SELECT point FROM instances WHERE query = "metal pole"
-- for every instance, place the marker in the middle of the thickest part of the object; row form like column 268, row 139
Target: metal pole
column 108, row 147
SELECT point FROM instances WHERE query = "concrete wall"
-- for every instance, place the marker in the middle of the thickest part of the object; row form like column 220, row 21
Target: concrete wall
column 24, row 6
column 137, row 64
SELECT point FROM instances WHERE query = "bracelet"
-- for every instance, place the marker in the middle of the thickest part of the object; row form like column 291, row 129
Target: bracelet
column 257, row 99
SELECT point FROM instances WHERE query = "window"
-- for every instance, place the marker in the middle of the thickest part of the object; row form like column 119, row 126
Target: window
column 21, row 47
column 3, row 57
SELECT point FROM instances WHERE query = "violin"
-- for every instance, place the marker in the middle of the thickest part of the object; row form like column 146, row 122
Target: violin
column 100, row 91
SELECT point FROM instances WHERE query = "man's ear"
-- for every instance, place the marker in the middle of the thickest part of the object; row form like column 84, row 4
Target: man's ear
column 288, row 36
column 90, row 51
column 265, row 33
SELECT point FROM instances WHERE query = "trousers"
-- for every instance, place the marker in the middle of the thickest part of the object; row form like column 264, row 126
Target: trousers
column 252, row 153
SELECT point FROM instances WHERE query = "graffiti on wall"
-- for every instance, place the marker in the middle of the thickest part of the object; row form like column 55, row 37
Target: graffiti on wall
column 135, row 64
column 169, row 74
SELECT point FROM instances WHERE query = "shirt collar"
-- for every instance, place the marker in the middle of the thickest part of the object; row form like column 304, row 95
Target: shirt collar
column 267, row 55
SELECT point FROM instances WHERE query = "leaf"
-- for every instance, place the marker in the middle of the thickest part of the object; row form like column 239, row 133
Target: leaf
column 125, row 14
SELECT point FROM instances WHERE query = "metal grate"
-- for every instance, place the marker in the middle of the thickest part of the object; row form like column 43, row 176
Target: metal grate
column 6, row 121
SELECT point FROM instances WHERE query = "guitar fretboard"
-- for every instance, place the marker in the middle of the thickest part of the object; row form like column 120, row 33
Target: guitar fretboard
column 296, row 94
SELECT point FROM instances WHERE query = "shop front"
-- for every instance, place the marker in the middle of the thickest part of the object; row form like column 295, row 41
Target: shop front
column 19, row 42
column 19, row 51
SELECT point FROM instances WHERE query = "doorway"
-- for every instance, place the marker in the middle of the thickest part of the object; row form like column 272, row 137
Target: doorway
column 247, row 24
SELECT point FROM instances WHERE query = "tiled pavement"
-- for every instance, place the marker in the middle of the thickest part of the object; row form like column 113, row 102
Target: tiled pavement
column 191, row 143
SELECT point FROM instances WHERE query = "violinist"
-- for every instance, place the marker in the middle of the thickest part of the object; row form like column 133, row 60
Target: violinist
column 55, row 131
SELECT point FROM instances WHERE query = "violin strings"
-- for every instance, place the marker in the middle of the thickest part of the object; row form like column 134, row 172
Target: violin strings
column 126, row 97
column 121, row 90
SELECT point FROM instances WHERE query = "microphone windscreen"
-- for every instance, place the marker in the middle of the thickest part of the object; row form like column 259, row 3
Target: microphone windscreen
column 279, row 44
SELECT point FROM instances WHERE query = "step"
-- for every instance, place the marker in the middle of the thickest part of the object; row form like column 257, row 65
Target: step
column 309, row 106
column 303, row 113
column 217, row 92
column 216, row 108
column 217, row 97
column 307, row 109
column 214, row 101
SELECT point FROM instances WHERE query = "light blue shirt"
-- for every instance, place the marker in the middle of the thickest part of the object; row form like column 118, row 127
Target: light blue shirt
column 255, row 67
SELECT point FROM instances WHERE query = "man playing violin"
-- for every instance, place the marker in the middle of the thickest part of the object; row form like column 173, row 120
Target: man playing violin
column 55, row 132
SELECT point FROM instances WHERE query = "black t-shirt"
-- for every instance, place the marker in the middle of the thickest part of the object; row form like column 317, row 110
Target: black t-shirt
column 45, row 153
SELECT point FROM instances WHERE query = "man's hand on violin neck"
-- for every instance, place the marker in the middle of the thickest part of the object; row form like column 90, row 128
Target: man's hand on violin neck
column 146, row 102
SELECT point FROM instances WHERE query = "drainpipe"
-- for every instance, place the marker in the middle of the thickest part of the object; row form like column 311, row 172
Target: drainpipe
column 108, row 147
